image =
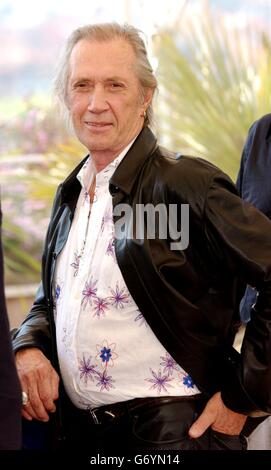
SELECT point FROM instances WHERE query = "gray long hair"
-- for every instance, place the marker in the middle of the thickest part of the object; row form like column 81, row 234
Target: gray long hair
column 106, row 32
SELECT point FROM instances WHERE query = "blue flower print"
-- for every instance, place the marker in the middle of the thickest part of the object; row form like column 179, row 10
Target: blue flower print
column 188, row 381
column 58, row 290
column 106, row 353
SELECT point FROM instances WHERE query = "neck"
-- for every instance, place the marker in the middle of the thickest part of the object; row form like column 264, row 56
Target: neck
column 102, row 159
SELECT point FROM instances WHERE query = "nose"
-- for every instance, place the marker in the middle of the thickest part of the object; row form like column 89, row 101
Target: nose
column 97, row 100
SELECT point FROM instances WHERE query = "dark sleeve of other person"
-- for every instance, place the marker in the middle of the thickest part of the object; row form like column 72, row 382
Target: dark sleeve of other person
column 254, row 184
column 10, row 391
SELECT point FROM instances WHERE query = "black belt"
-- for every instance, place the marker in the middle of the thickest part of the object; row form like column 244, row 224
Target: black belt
column 106, row 413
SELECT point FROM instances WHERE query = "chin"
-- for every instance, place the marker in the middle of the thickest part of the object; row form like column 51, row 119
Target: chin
column 96, row 147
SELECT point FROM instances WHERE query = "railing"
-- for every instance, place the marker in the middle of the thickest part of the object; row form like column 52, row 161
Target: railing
column 19, row 299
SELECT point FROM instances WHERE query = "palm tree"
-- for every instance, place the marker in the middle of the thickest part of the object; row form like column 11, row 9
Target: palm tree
column 214, row 82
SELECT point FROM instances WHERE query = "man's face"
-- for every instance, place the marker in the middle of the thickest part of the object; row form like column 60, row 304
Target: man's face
column 104, row 96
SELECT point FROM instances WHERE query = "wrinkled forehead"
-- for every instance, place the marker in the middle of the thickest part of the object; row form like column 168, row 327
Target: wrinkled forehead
column 115, row 54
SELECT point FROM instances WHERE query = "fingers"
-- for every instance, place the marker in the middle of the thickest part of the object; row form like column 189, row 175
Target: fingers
column 26, row 415
column 55, row 384
column 36, row 402
column 48, row 389
column 203, row 422
column 40, row 381
column 32, row 408
column 219, row 417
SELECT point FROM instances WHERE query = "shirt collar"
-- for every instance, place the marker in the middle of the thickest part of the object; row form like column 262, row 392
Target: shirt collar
column 88, row 170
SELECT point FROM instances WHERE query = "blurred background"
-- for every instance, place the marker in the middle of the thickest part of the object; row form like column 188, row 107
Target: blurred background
column 213, row 62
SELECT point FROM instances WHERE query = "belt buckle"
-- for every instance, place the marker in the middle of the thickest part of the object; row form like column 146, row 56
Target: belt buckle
column 95, row 411
column 94, row 415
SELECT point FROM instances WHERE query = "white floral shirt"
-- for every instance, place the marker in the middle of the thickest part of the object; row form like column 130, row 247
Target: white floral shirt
column 107, row 352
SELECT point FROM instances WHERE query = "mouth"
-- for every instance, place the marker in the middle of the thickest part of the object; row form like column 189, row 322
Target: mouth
column 97, row 125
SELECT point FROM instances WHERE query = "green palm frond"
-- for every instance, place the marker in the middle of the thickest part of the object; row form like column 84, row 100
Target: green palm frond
column 58, row 164
column 39, row 180
column 213, row 85
column 20, row 265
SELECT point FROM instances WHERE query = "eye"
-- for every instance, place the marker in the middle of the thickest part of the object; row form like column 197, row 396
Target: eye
column 81, row 85
column 115, row 85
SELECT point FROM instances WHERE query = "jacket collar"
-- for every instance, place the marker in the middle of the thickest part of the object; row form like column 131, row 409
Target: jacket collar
column 125, row 175
column 129, row 168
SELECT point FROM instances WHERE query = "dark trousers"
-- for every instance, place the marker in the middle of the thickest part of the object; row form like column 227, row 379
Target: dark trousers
column 143, row 425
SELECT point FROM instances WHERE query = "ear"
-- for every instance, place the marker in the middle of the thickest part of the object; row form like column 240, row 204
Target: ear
column 147, row 98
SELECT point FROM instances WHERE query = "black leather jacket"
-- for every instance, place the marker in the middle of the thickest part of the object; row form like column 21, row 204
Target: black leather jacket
column 189, row 298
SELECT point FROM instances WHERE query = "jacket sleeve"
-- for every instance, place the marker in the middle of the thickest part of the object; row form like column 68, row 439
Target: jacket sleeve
column 35, row 330
column 239, row 238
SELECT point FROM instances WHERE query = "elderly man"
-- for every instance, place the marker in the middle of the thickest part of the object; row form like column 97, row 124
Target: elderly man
column 137, row 322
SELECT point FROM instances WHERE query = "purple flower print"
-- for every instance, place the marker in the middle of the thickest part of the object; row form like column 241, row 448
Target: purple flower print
column 85, row 198
column 86, row 406
column 89, row 293
column 64, row 337
column 105, row 381
column 169, row 364
column 119, row 297
column 75, row 264
column 107, row 220
column 160, row 382
column 140, row 319
column 101, row 305
column 87, row 370
column 110, row 251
